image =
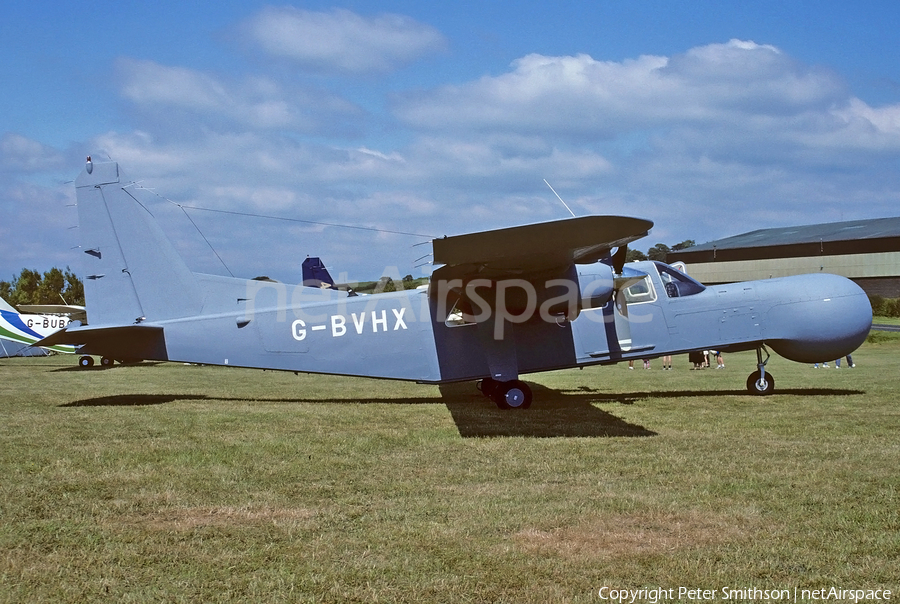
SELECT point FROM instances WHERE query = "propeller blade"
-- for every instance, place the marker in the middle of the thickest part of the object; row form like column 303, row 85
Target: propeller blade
column 618, row 259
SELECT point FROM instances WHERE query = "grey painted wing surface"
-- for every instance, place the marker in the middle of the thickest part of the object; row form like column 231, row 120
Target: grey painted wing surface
column 545, row 245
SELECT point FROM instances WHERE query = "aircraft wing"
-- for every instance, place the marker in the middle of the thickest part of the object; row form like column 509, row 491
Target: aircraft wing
column 536, row 247
column 76, row 313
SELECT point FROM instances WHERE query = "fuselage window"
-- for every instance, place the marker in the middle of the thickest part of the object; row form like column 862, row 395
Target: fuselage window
column 457, row 315
column 640, row 292
column 677, row 284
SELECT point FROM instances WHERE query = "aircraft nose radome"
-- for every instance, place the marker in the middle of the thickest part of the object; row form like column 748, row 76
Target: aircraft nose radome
column 823, row 318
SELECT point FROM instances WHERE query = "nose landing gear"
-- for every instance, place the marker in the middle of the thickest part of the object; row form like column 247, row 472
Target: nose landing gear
column 760, row 382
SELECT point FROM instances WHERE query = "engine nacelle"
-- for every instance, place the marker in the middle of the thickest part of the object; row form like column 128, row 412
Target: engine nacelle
column 553, row 297
column 595, row 285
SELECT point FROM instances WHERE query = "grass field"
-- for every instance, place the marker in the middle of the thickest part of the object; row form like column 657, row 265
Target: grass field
column 886, row 320
column 176, row 483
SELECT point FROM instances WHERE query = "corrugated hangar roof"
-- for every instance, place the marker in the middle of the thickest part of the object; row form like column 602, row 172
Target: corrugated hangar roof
column 853, row 230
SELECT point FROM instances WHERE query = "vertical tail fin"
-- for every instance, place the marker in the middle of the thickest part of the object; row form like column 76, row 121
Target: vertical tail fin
column 132, row 271
column 315, row 274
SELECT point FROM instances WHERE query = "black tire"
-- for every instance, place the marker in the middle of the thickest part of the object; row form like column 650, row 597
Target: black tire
column 86, row 362
column 106, row 362
column 755, row 387
column 514, row 394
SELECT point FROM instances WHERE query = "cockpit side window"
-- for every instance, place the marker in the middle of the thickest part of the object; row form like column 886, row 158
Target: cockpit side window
column 640, row 292
column 677, row 283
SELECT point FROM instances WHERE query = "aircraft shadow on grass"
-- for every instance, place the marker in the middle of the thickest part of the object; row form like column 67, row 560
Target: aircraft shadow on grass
column 102, row 368
column 559, row 413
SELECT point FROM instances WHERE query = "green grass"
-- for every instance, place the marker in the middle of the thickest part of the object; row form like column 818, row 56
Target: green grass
column 886, row 320
column 176, row 483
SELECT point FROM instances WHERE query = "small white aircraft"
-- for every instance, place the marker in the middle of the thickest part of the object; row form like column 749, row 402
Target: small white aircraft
column 17, row 328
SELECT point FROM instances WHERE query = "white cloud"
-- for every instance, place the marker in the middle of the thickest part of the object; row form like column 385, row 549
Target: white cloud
column 718, row 139
column 253, row 102
column 19, row 153
column 581, row 98
column 341, row 40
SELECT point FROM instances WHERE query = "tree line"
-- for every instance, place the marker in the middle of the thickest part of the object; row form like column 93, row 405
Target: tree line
column 53, row 287
column 658, row 251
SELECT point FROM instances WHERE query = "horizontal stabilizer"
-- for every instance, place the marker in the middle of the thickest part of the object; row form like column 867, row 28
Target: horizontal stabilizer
column 536, row 247
column 121, row 342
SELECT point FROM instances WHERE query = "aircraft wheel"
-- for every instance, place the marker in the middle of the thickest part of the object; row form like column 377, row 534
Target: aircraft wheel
column 762, row 387
column 513, row 394
column 106, row 362
column 85, row 362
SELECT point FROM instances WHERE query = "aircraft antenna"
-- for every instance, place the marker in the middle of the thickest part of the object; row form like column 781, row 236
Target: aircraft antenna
column 204, row 238
column 331, row 224
column 560, row 198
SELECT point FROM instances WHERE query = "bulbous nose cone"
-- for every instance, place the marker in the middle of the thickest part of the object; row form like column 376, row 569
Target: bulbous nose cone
column 824, row 317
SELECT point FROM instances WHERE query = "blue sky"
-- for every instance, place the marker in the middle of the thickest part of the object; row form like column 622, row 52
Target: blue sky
column 708, row 118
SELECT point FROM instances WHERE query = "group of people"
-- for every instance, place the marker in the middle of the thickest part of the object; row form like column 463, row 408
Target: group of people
column 699, row 360
column 837, row 363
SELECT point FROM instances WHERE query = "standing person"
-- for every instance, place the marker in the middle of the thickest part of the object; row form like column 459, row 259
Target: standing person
column 646, row 363
column 720, row 363
column 667, row 362
column 696, row 359
column 850, row 362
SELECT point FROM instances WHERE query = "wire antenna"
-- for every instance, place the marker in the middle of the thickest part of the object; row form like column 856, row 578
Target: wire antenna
column 205, row 239
column 560, row 198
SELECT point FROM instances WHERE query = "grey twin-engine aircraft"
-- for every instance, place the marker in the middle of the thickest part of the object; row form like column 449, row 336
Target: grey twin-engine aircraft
column 502, row 303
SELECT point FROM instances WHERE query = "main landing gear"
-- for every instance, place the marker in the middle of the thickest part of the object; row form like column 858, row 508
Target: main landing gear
column 514, row 394
column 87, row 361
column 760, row 382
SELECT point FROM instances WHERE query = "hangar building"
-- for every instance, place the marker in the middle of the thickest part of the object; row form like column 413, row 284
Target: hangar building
column 866, row 251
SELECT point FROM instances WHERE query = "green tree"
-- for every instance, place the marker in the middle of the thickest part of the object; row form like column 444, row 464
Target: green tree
column 54, row 286
column 684, row 245
column 658, row 252
column 26, row 287
column 633, row 255
column 385, row 285
column 74, row 292
column 51, row 286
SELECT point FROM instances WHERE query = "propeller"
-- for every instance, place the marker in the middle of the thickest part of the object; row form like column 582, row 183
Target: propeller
column 618, row 259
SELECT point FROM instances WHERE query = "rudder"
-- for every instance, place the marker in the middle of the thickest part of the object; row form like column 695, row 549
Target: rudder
column 132, row 271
